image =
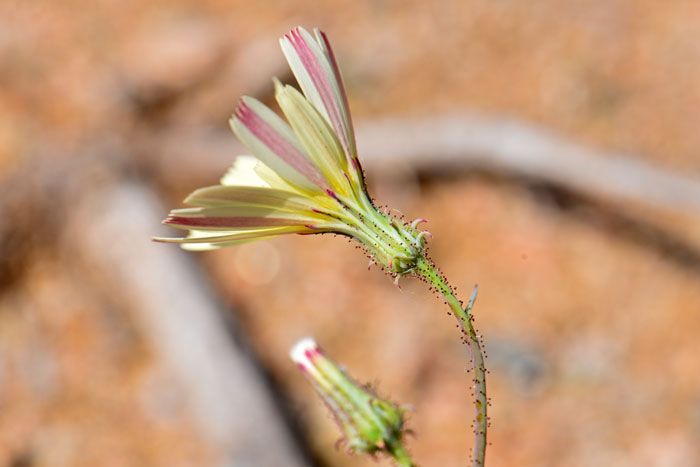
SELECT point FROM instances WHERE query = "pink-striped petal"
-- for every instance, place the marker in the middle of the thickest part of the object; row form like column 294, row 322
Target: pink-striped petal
column 272, row 141
column 314, row 67
column 315, row 134
column 246, row 196
column 349, row 141
column 256, row 210
column 227, row 222
column 343, row 104
column 228, row 238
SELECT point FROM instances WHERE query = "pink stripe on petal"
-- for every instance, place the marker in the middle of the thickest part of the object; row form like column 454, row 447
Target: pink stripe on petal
column 254, row 196
column 279, row 144
column 311, row 354
column 358, row 169
column 320, row 80
column 346, row 107
column 229, row 222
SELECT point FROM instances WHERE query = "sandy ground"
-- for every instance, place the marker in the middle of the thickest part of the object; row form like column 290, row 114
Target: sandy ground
column 591, row 328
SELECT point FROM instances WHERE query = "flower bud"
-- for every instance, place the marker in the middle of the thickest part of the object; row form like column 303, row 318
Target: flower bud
column 370, row 424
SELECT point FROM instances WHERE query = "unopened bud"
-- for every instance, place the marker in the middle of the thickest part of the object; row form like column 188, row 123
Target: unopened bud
column 370, row 424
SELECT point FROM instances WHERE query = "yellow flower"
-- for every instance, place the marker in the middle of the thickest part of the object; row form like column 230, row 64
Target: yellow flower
column 305, row 176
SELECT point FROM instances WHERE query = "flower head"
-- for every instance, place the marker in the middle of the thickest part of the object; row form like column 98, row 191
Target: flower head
column 370, row 424
column 305, row 176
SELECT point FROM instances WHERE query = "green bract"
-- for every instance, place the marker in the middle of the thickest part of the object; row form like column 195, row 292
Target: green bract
column 370, row 424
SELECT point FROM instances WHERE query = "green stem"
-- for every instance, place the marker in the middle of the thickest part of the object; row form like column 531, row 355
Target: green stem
column 400, row 455
column 464, row 316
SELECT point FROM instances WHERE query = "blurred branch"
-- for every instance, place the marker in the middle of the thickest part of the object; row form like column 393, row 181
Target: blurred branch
column 461, row 143
column 105, row 221
column 111, row 230
column 503, row 145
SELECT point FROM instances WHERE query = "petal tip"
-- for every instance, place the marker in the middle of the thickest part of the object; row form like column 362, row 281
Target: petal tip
column 300, row 351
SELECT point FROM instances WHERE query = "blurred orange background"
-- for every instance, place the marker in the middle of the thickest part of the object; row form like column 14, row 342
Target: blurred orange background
column 115, row 351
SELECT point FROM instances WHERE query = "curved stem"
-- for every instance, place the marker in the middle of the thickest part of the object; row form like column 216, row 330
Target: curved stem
column 426, row 270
